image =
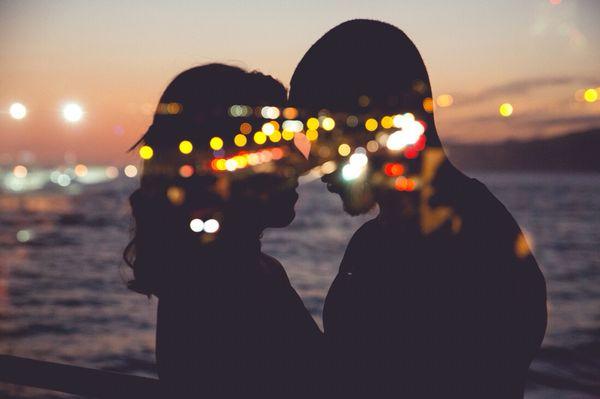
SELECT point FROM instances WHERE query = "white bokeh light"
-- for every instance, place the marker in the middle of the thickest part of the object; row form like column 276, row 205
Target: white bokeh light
column 72, row 112
column 17, row 111
column 211, row 226
column 196, row 225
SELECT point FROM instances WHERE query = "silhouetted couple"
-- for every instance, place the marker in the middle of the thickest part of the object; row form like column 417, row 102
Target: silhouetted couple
column 438, row 296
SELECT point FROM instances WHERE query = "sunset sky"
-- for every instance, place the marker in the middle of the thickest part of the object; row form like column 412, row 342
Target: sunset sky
column 114, row 58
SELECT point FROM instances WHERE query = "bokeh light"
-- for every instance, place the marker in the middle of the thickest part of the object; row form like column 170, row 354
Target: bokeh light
column 17, row 111
column 387, row 122
column 245, row 128
column 20, row 171
column 328, row 123
column 290, row 113
column 260, row 137
column 506, row 110
column 186, row 171
column 216, row 143
column 72, row 112
column 211, row 226
column 428, row 105
column 268, row 128
column 176, row 195
column 186, row 146
column 146, row 152
column 371, row 124
column 111, row 172
column 312, row 123
column 445, row 100
column 196, row 225
column 288, row 135
column 590, row 95
column 130, row 171
column 81, row 170
column 344, row 150
column 312, row 135
column 240, row 140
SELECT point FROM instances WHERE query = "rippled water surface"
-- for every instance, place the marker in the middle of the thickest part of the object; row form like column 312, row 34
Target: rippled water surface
column 63, row 297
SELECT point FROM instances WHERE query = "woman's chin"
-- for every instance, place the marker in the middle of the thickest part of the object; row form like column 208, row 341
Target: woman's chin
column 282, row 219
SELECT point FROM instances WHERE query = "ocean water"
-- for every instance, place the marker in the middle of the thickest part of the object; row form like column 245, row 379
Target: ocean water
column 63, row 296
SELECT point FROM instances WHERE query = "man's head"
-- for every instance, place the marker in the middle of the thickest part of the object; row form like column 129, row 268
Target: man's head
column 363, row 67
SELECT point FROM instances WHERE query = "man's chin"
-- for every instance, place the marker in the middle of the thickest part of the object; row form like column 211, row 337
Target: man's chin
column 353, row 209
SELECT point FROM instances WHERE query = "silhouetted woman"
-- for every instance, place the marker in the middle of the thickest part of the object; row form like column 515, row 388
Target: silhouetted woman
column 229, row 322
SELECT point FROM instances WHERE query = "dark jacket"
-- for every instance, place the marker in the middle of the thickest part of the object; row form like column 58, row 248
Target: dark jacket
column 451, row 314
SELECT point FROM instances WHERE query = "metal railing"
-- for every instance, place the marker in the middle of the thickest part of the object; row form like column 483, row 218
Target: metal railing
column 76, row 380
column 101, row 384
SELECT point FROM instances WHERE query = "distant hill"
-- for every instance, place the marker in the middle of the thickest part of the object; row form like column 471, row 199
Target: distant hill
column 573, row 152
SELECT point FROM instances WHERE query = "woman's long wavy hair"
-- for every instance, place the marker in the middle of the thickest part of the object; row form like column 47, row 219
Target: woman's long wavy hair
column 161, row 247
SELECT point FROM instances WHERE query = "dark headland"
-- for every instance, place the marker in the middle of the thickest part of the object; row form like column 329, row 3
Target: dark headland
column 572, row 152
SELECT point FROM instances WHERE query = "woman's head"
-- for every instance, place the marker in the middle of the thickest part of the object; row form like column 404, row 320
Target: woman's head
column 176, row 186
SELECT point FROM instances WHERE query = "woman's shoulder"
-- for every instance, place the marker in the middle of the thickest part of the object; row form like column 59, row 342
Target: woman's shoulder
column 271, row 267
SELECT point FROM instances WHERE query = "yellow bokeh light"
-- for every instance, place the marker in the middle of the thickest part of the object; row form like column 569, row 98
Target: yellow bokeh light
column 245, row 128
column 312, row 135
column 371, row 124
column 146, row 152
column 221, row 164
column 312, row 123
column 240, row 140
column 445, row 100
column 506, row 110
column 288, row 135
column 275, row 137
column 387, row 122
column 344, row 150
column 216, row 143
column 260, row 137
column 185, row 147
column 590, row 95
column 328, row 124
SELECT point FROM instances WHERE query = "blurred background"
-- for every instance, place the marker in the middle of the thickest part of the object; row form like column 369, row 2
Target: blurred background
column 516, row 97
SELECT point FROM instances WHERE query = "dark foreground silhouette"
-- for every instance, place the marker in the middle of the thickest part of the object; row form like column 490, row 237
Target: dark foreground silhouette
column 439, row 296
column 229, row 322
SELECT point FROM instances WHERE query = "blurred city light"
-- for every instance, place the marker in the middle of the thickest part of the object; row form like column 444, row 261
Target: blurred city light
column 20, row 171
column 328, row 124
column 111, row 172
column 445, row 100
column 72, row 112
column 146, row 152
column 590, row 95
column 17, row 111
column 81, row 170
column 185, row 147
column 216, row 143
column 196, row 225
column 211, row 226
column 506, row 110
column 130, row 171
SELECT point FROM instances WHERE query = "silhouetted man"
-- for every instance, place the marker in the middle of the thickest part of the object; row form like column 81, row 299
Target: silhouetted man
column 439, row 296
